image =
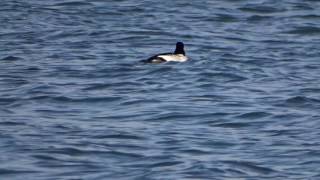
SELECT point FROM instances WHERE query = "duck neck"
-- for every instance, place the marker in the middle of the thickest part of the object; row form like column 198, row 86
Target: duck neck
column 179, row 51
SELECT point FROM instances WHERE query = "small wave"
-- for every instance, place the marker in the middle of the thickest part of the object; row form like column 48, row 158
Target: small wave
column 307, row 30
column 261, row 9
column 165, row 164
column 250, row 167
column 193, row 151
column 126, row 154
column 299, row 100
column 226, row 77
column 172, row 115
column 46, row 157
column 256, row 18
column 11, row 123
column 14, row 172
column 11, row 58
column 232, row 125
column 68, row 99
column 7, row 101
column 207, row 98
column 73, row 3
column 223, row 18
column 253, row 115
column 119, row 136
column 70, row 151
column 303, row 6
column 309, row 16
column 140, row 101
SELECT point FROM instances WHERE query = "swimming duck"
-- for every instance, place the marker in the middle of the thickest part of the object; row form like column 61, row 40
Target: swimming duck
column 178, row 56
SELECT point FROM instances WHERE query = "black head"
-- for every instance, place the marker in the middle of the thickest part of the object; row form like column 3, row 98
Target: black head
column 179, row 48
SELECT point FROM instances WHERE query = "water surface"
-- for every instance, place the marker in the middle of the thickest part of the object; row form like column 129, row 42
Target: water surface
column 75, row 103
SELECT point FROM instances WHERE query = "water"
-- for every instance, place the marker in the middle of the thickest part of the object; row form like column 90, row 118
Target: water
column 75, row 103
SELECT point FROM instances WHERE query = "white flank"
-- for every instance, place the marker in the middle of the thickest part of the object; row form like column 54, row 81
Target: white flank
column 174, row 57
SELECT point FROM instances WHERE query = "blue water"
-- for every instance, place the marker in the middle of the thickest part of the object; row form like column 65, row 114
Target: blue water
column 76, row 103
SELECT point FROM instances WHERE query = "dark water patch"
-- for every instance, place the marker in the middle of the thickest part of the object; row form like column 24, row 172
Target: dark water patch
column 306, row 30
column 264, row 9
column 235, row 172
column 284, row 116
column 218, row 144
column 5, row 172
column 283, row 132
column 140, row 101
column 308, row 16
column 301, row 100
column 178, row 116
column 232, row 125
column 257, row 18
column 71, row 151
column 122, row 116
column 253, row 115
column 250, row 167
column 119, row 136
column 195, row 152
column 222, row 77
column 302, row 6
column 277, row 42
column 73, row 4
column 310, row 90
column 237, row 39
column 33, row 69
column 12, row 123
column 225, row 18
column 312, row 162
column 126, row 154
column 79, row 100
column 212, row 98
column 7, row 101
column 83, row 166
column 165, row 164
column 45, row 157
column 11, row 58
column 98, row 86
column 198, row 170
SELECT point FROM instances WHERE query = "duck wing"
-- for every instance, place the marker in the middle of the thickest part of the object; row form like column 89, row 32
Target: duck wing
column 156, row 58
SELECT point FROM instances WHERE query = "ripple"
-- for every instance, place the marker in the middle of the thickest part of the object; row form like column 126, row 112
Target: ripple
column 12, row 123
column 165, row 164
column 7, row 101
column 233, row 125
column 11, row 58
column 225, row 18
column 73, row 3
column 76, row 103
column 261, row 9
column 79, row 100
column 250, row 167
column 257, row 18
column 5, row 172
column 300, row 100
column 226, row 77
column 119, row 136
column 306, row 30
column 253, row 115
column 140, row 101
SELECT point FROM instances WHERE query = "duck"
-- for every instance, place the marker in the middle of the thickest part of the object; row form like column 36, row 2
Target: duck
column 178, row 55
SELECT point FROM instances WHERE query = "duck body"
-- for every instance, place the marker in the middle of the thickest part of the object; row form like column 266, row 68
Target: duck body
column 178, row 56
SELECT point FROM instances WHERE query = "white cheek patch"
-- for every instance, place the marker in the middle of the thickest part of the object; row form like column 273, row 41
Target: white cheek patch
column 174, row 57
